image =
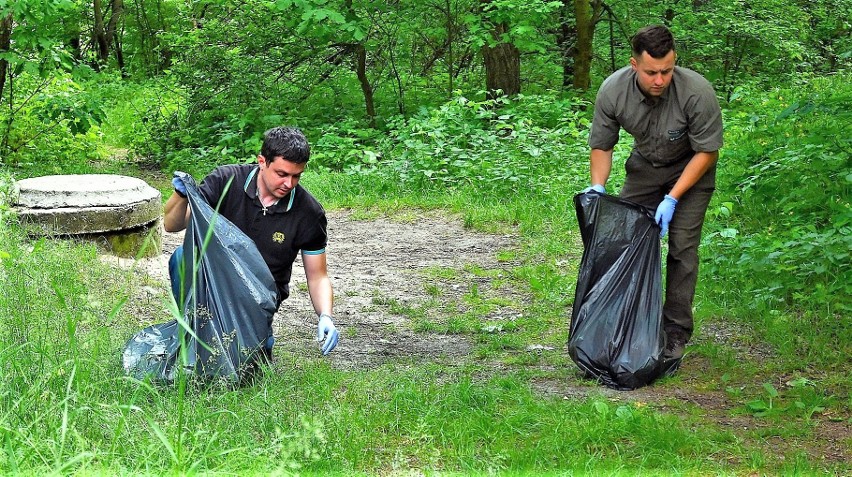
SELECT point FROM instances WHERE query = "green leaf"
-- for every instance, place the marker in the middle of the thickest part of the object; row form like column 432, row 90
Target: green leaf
column 770, row 390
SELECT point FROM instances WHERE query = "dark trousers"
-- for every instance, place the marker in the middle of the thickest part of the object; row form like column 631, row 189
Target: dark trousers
column 174, row 273
column 646, row 185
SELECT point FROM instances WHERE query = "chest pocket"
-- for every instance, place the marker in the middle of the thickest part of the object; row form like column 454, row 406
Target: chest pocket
column 676, row 134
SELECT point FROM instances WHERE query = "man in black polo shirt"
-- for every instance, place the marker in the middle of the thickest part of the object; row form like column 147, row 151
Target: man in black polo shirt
column 267, row 203
column 676, row 123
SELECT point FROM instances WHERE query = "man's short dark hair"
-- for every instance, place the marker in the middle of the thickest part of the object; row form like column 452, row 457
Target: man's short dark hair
column 287, row 142
column 657, row 40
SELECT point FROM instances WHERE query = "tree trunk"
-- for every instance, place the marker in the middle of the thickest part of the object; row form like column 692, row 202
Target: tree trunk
column 361, row 71
column 119, row 58
column 117, row 10
column 586, row 13
column 5, row 44
column 502, row 62
column 99, row 38
column 502, row 66
column 450, row 39
column 566, row 42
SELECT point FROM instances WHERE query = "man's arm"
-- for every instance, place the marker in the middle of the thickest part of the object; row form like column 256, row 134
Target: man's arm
column 600, row 165
column 322, row 297
column 700, row 163
column 319, row 285
column 176, row 213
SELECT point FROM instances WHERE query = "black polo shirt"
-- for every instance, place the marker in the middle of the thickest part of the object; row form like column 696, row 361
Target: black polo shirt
column 296, row 222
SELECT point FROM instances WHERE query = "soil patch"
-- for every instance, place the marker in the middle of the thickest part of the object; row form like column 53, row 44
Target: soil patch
column 377, row 268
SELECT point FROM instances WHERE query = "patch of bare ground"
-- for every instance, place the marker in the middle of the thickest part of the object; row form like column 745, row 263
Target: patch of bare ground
column 386, row 270
column 382, row 271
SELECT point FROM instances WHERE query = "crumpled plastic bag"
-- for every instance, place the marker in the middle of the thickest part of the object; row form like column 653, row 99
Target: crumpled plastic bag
column 229, row 304
column 616, row 334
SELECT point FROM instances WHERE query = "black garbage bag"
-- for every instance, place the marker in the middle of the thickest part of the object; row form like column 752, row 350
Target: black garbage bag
column 616, row 333
column 228, row 309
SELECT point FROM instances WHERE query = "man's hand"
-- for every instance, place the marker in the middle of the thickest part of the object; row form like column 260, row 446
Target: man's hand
column 664, row 214
column 179, row 187
column 595, row 187
column 327, row 331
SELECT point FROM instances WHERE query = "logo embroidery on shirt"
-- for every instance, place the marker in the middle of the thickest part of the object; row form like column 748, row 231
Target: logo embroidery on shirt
column 278, row 237
column 675, row 134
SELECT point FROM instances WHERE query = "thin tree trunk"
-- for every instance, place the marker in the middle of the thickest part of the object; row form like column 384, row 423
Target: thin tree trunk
column 5, row 44
column 111, row 30
column 119, row 58
column 99, row 38
column 586, row 13
column 450, row 58
column 361, row 71
column 566, row 42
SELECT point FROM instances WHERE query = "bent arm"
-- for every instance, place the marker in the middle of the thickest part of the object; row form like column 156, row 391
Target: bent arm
column 176, row 213
column 700, row 163
column 319, row 284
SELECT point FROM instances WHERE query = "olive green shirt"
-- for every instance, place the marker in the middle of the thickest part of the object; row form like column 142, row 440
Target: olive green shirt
column 684, row 120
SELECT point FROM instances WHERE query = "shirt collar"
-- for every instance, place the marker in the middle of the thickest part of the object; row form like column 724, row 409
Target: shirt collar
column 250, row 188
column 643, row 98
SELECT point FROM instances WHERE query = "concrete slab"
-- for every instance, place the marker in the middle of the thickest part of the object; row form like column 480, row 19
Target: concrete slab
column 86, row 220
column 115, row 210
column 83, row 190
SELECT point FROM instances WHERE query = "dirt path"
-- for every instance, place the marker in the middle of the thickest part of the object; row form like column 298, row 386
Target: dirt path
column 376, row 266
column 386, row 269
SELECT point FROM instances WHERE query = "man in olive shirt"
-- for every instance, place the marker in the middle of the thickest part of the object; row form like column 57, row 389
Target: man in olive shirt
column 676, row 123
column 266, row 202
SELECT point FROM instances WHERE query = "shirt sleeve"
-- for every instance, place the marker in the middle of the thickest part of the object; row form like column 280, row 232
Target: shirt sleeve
column 605, row 127
column 705, row 120
column 211, row 186
column 317, row 238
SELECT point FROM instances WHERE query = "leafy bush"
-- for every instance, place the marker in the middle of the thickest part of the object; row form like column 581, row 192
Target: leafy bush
column 498, row 146
column 55, row 129
column 781, row 232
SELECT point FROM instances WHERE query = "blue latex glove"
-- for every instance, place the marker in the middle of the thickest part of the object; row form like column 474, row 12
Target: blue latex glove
column 664, row 214
column 327, row 331
column 179, row 187
column 595, row 187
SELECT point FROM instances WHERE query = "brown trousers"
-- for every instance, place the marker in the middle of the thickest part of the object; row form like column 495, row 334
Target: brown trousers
column 646, row 185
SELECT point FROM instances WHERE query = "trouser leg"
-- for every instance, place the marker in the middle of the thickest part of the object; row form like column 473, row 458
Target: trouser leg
column 646, row 185
column 682, row 259
column 175, row 278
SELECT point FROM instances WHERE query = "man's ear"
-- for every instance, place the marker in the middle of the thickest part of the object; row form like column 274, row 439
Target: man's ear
column 633, row 63
column 261, row 160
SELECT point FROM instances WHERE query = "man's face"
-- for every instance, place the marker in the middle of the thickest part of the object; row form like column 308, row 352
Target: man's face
column 279, row 176
column 653, row 74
